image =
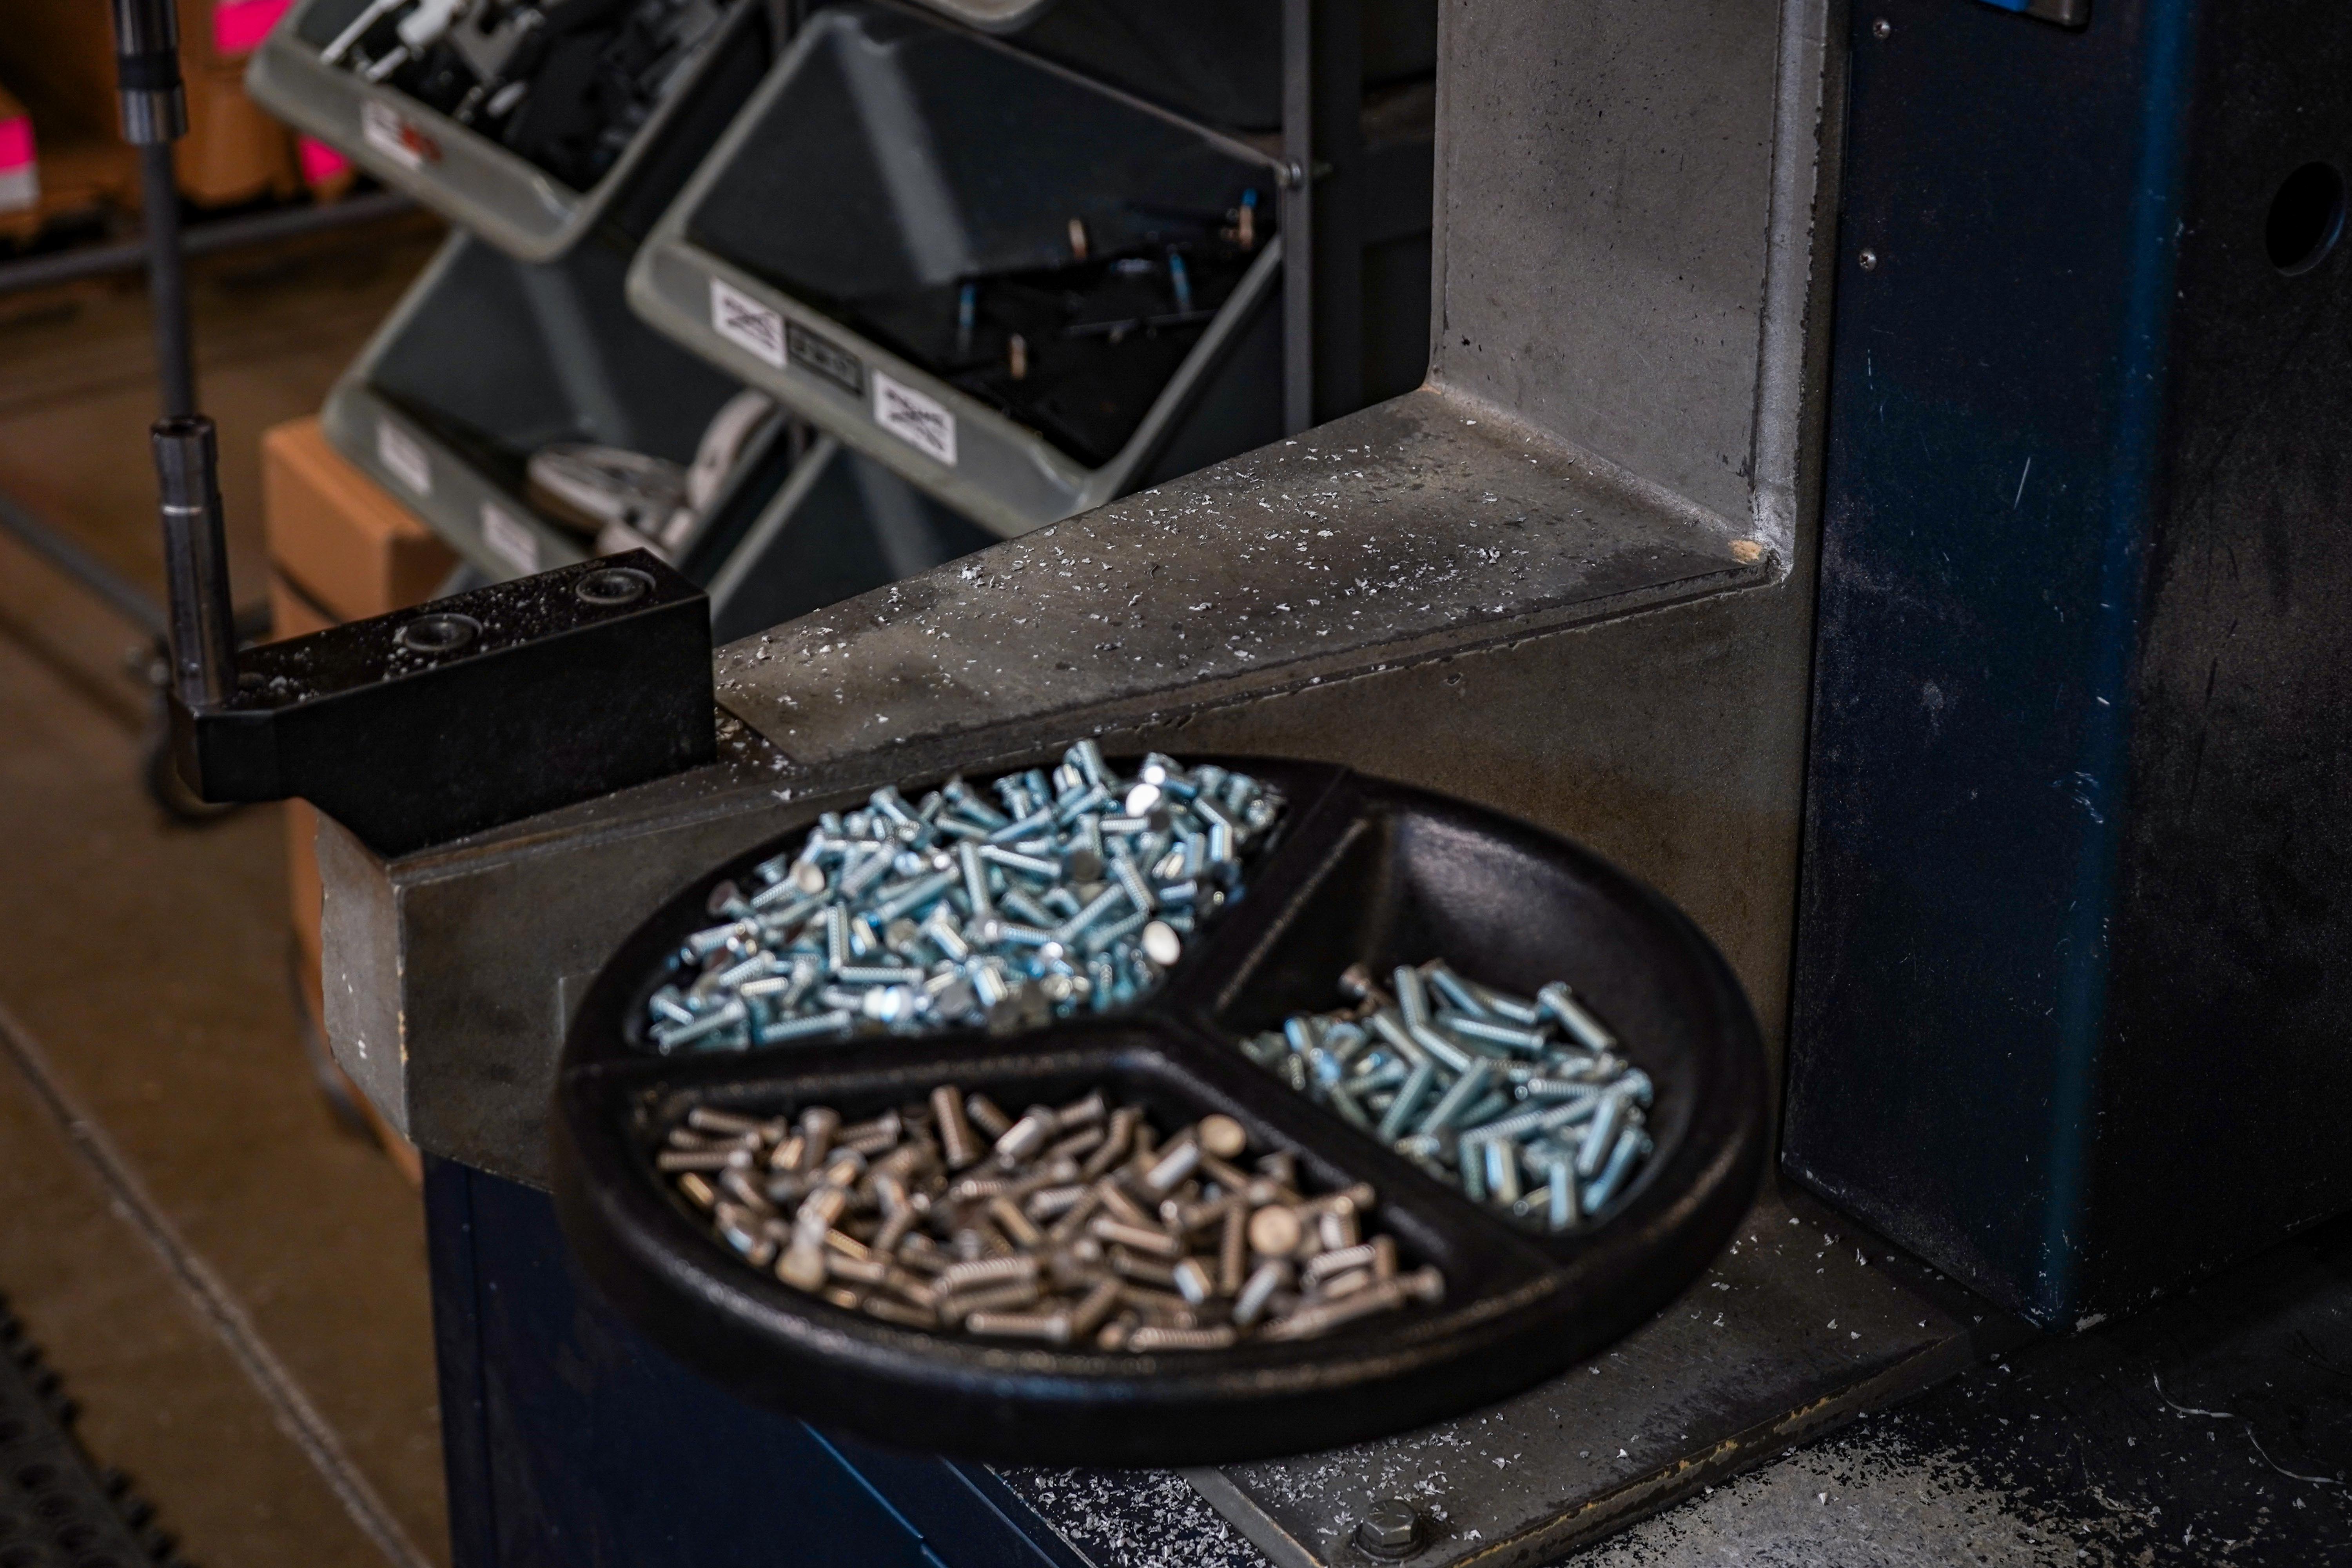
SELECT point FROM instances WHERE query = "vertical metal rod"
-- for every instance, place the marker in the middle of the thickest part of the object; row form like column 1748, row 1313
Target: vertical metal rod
column 167, row 281
column 154, row 115
column 1298, row 212
column 196, row 561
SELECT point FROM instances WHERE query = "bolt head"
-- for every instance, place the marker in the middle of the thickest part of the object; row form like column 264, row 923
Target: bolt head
column 1882, row 28
column 1391, row 1528
column 1869, row 261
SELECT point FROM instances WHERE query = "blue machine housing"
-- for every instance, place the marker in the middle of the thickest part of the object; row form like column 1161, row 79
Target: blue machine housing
column 2070, row 1017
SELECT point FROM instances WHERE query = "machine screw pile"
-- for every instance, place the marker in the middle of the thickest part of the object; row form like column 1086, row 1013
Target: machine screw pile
column 1070, row 1224
column 1074, row 891
column 1478, row 1086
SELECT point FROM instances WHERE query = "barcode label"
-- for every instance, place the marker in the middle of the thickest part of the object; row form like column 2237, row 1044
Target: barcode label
column 923, row 423
column 403, row 457
column 510, row 538
column 747, row 324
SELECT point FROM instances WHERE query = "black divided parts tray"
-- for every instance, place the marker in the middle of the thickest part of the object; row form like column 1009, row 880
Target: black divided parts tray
column 1360, row 870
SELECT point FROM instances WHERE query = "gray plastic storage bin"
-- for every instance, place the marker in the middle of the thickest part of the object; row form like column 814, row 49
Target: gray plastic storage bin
column 891, row 159
column 478, row 183
column 1219, row 61
column 795, row 532
column 487, row 360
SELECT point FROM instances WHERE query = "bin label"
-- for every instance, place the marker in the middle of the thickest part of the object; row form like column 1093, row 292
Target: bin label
column 923, row 423
column 384, row 128
column 403, row 458
column 748, row 324
column 510, row 538
column 823, row 356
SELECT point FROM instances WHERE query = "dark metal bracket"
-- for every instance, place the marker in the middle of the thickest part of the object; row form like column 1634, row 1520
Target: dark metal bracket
column 429, row 723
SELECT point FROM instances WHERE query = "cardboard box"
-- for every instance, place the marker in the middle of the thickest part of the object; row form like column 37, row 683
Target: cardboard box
column 336, row 535
column 232, row 153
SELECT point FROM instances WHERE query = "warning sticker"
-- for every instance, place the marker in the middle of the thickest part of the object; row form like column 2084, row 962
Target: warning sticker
column 403, row 458
column 923, row 423
column 510, row 538
column 748, row 324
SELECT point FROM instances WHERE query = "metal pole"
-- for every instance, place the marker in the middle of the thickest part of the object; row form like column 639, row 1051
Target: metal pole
column 154, row 115
column 204, row 240
column 117, row 592
column 195, row 559
column 187, row 459
column 167, row 280
column 1297, row 210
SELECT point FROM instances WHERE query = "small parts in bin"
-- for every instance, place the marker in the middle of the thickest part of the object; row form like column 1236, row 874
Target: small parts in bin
column 565, row 83
column 630, row 500
column 1071, row 892
column 1071, row 1224
column 591, row 489
column 1524, row 1104
column 1079, row 351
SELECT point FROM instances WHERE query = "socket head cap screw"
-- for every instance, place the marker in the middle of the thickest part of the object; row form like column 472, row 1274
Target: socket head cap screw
column 1389, row 1529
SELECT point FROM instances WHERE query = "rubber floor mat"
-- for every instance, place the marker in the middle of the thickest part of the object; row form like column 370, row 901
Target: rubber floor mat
column 57, row 1510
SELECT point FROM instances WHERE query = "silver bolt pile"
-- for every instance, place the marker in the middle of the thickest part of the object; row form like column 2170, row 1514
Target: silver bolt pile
column 1079, row 893
column 1525, row 1105
column 1066, row 1226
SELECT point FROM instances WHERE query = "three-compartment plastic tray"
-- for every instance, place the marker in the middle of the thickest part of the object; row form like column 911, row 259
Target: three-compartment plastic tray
column 1360, row 870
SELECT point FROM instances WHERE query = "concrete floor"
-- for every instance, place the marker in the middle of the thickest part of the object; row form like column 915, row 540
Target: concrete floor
column 233, row 1287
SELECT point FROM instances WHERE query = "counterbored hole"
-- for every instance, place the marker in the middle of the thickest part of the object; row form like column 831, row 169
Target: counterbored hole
column 613, row 585
column 2305, row 216
column 440, row 634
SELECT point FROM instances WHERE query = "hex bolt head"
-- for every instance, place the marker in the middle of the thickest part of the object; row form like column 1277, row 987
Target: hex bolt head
column 1390, row 1529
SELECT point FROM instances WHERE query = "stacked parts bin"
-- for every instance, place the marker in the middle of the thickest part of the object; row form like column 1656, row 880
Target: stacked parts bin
column 1024, row 291
column 489, row 359
column 475, row 181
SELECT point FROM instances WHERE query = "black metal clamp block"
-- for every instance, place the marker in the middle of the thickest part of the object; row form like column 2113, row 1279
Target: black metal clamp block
column 433, row 722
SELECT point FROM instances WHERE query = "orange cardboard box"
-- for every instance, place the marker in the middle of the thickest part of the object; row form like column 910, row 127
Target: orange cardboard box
column 336, row 536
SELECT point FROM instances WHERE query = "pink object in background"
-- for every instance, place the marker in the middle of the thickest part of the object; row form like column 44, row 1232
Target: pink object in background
column 239, row 25
column 20, row 175
column 15, row 142
column 320, row 163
